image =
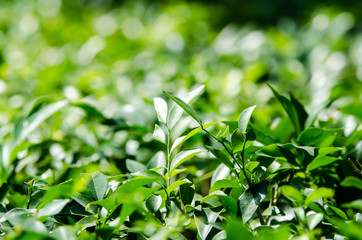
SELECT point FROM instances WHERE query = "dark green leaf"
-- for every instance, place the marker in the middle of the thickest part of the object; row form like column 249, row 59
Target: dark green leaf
column 187, row 193
column 294, row 109
column 98, row 185
column 153, row 203
column 229, row 204
column 251, row 199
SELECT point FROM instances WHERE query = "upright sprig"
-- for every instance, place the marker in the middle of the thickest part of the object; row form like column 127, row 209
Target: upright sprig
column 169, row 118
column 236, row 151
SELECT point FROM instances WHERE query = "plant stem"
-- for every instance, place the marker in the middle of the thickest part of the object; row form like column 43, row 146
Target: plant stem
column 223, row 144
column 243, row 163
column 168, row 158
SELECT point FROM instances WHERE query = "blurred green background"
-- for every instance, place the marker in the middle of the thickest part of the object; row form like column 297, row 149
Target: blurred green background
column 118, row 55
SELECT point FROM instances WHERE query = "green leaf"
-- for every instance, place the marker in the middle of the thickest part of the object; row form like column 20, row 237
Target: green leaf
column 328, row 150
column 224, row 183
column 352, row 181
column 84, row 201
column 52, row 208
column 320, row 162
column 181, row 157
column 159, row 135
column 337, row 211
column 314, row 219
column 153, row 203
column 223, row 136
column 317, row 137
column 251, row 199
column 188, row 109
column 244, row 118
column 187, row 193
column 161, row 109
column 291, row 193
column 235, row 230
column 90, row 110
column 204, row 228
column 250, row 166
column 98, row 185
column 353, row 109
column 271, row 150
column 153, row 175
column 176, row 111
column 229, row 204
column 319, row 193
column 158, row 160
column 26, row 223
column 310, row 150
column 237, row 141
column 63, row 233
column 182, row 139
column 134, row 166
column 294, row 109
column 222, row 157
column 356, row 204
column 177, row 184
column 32, row 122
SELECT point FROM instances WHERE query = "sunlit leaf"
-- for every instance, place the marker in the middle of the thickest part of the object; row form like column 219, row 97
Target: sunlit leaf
column 159, row 135
column 183, row 156
column 244, row 118
column 161, row 109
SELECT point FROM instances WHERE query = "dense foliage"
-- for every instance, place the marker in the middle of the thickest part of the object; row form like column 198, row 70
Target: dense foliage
column 92, row 149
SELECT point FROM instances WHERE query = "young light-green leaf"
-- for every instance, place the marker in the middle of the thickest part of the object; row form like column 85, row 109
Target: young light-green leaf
column 176, row 111
column 188, row 109
column 244, row 118
column 320, row 162
column 153, row 175
column 183, row 156
column 224, row 183
column 352, row 181
column 161, row 109
column 159, row 135
column 182, row 139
